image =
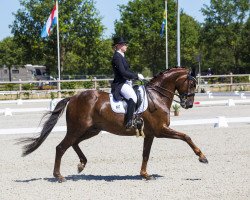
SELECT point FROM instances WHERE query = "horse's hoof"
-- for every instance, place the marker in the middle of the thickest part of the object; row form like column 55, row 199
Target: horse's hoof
column 150, row 178
column 80, row 167
column 61, row 180
column 203, row 160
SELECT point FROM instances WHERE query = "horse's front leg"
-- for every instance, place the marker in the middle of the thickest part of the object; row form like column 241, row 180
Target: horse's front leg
column 148, row 140
column 170, row 133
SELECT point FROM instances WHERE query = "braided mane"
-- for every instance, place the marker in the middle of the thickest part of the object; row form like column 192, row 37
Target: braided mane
column 166, row 71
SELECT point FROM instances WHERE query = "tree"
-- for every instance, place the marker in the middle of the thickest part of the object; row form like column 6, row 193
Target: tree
column 222, row 34
column 245, row 43
column 10, row 53
column 141, row 21
column 190, row 33
column 80, row 35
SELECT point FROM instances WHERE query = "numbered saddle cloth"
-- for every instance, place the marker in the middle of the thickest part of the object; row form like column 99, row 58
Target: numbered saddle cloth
column 141, row 105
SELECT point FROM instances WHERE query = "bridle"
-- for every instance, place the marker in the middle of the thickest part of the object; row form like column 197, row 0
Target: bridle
column 183, row 96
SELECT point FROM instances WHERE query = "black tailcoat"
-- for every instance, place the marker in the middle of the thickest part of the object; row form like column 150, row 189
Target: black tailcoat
column 122, row 73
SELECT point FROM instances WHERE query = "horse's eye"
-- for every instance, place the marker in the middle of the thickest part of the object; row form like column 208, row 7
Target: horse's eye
column 192, row 85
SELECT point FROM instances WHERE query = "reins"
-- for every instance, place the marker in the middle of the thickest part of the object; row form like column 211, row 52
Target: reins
column 153, row 87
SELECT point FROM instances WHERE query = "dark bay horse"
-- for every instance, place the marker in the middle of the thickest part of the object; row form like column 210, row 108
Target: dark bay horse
column 89, row 112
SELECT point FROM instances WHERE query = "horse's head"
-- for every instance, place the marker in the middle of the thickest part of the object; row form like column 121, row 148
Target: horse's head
column 178, row 78
column 185, row 85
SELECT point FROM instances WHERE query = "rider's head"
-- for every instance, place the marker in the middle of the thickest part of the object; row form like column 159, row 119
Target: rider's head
column 120, row 44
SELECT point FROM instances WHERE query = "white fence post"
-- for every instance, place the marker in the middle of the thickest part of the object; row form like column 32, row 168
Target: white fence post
column 230, row 102
column 7, row 112
column 222, row 122
column 95, row 82
column 231, row 81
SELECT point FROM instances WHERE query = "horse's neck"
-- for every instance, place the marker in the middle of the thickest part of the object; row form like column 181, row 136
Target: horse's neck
column 167, row 80
column 168, row 83
column 170, row 98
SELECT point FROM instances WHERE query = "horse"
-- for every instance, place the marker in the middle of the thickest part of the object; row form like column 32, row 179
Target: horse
column 89, row 112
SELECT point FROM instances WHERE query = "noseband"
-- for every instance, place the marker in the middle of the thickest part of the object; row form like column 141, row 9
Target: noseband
column 183, row 97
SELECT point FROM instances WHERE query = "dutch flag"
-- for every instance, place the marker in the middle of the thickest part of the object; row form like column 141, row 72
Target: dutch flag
column 52, row 20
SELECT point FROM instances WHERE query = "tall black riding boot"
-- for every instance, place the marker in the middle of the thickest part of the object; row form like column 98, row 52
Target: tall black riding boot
column 129, row 115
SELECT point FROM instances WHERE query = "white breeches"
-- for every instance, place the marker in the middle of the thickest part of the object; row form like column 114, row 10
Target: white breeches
column 128, row 92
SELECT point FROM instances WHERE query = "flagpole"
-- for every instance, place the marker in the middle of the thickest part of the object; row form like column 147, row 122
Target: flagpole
column 166, row 32
column 178, row 36
column 58, row 53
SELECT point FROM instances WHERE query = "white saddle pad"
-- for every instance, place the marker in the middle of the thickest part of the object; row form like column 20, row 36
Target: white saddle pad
column 121, row 106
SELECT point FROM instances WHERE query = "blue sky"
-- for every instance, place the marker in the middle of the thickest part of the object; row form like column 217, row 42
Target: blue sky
column 108, row 10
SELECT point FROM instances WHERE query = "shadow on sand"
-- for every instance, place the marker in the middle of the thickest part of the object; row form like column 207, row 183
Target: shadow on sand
column 91, row 178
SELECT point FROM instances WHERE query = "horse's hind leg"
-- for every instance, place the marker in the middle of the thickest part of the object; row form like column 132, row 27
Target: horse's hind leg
column 60, row 150
column 82, row 157
column 170, row 133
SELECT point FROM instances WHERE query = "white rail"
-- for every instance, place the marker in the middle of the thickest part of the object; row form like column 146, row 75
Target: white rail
column 223, row 102
column 218, row 122
column 20, row 101
column 219, row 102
column 209, row 121
column 22, row 110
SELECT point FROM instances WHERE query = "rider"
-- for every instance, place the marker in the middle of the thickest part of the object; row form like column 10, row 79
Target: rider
column 123, row 76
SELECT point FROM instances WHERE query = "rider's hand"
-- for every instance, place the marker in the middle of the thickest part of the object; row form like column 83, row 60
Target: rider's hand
column 140, row 77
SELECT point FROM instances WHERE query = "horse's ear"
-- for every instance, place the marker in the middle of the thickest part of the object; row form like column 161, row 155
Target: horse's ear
column 193, row 72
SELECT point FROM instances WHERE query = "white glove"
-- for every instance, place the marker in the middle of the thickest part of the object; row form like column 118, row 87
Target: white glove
column 140, row 77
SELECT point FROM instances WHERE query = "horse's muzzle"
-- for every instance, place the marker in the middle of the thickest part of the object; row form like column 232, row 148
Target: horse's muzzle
column 186, row 104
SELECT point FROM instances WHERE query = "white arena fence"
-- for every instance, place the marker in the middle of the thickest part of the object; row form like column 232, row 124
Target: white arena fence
column 196, row 103
column 10, row 111
column 229, row 102
column 217, row 122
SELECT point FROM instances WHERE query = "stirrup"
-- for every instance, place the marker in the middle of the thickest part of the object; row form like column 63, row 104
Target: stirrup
column 129, row 124
column 139, row 126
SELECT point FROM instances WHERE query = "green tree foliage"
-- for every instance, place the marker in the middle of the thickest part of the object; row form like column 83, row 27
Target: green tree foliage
column 223, row 39
column 81, row 46
column 190, row 33
column 10, row 53
column 141, row 22
column 224, row 36
column 245, row 42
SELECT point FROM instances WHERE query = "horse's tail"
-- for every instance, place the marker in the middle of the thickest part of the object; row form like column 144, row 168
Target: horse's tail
column 35, row 142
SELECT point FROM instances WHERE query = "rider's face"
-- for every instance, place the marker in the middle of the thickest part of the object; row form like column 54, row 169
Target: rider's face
column 123, row 47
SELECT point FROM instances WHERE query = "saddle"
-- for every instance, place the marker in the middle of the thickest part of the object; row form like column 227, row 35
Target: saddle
column 141, row 106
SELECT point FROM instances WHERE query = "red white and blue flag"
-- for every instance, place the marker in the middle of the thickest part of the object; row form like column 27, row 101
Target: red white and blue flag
column 52, row 20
